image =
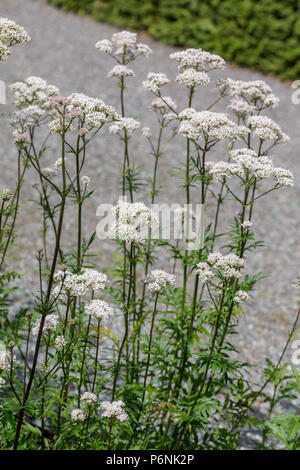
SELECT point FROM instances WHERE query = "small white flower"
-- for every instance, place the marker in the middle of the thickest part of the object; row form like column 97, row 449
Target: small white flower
column 296, row 283
column 85, row 180
column 32, row 95
column 197, row 125
column 60, row 343
column 58, row 163
column 4, row 52
column 104, row 46
column 2, row 382
column 113, row 409
column 10, row 35
column 124, row 39
column 78, row 415
column 204, row 272
column 146, row 132
column 241, row 296
column 192, row 78
column 6, row 195
column 246, row 224
column 163, row 104
column 89, row 398
column 50, row 324
column 99, row 309
column 155, row 81
column 82, row 131
column 58, row 126
column 132, row 221
column 126, row 123
column 5, row 359
column 198, row 59
column 258, row 92
column 266, row 129
column 78, row 284
column 143, row 49
column 228, row 265
column 241, row 108
column 158, row 280
column 120, row 71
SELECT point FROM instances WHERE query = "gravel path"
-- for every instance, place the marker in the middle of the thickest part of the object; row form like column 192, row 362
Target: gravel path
column 62, row 51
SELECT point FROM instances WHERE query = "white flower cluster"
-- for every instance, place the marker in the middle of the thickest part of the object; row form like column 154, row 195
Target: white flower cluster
column 2, row 382
column 88, row 105
column 78, row 415
column 258, row 92
column 246, row 224
column 204, row 271
column 78, row 284
column 10, row 35
column 163, row 104
column 247, row 165
column 125, row 123
column 124, row 43
column 146, row 132
column 99, row 309
column 296, row 283
column 92, row 112
column 113, row 409
column 241, row 108
column 58, row 163
column 33, row 91
column 60, row 126
column 198, row 59
column 192, row 78
column 241, row 296
column 158, row 280
column 20, row 138
column 50, row 324
column 89, row 398
column 32, row 97
column 196, row 125
column 4, row 52
column 124, row 39
column 60, row 343
column 155, row 81
column 85, row 180
column 266, row 129
column 5, row 359
column 228, row 266
column 119, row 71
column 132, row 221
column 6, row 195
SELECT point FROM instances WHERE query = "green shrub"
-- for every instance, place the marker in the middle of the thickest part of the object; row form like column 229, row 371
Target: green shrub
column 260, row 35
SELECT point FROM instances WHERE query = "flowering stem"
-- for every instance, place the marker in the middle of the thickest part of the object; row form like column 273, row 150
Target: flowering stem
column 50, row 283
column 96, row 356
column 83, row 360
column 157, row 154
column 11, row 229
column 216, row 331
column 26, row 355
column 187, row 189
column 43, row 391
column 149, row 348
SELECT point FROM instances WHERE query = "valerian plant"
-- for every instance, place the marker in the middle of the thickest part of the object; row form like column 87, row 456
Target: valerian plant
column 101, row 360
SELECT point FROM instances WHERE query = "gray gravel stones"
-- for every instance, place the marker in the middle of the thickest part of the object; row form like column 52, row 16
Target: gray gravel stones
column 62, row 51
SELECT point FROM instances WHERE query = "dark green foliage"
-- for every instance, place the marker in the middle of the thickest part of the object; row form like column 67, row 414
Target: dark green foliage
column 261, row 35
